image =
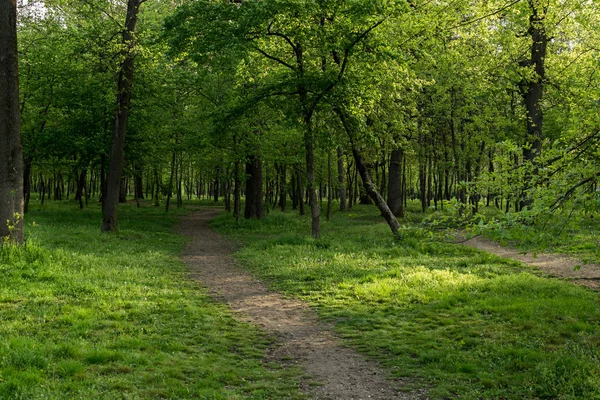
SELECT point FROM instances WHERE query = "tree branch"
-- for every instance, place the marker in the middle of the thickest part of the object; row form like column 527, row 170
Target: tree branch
column 277, row 59
column 281, row 35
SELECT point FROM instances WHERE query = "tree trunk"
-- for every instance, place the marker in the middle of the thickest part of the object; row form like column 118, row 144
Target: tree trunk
column 532, row 90
column 315, row 210
column 117, row 153
column 254, row 185
column 123, row 190
column 341, row 179
column 237, row 191
column 170, row 188
column 329, row 186
column 80, row 187
column 395, row 201
column 371, row 190
column 216, row 187
column 27, row 183
column 179, row 180
column 300, row 190
column 368, row 184
column 11, row 149
column 283, row 187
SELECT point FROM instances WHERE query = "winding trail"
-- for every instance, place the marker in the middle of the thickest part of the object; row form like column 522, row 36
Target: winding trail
column 560, row 266
column 300, row 338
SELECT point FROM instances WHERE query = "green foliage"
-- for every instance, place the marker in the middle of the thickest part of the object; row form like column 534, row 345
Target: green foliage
column 86, row 315
column 462, row 323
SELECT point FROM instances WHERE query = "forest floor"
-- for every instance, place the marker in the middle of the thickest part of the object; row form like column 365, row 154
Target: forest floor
column 556, row 265
column 336, row 372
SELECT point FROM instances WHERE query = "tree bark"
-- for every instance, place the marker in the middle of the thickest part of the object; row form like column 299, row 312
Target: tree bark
column 532, row 90
column 216, row 187
column 395, row 201
column 368, row 184
column 237, row 191
column 283, row 187
column 341, row 178
column 329, row 187
column 27, row 183
column 300, row 190
column 170, row 188
column 315, row 210
column 117, row 155
column 80, row 187
column 254, row 184
column 11, row 149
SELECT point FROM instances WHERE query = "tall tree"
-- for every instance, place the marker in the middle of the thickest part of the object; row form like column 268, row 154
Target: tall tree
column 117, row 153
column 11, row 150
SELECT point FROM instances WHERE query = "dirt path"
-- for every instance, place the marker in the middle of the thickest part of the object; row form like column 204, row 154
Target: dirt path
column 300, row 338
column 556, row 265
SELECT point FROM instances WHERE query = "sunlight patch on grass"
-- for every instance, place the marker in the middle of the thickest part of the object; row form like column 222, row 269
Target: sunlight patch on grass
column 463, row 323
column 90, row 315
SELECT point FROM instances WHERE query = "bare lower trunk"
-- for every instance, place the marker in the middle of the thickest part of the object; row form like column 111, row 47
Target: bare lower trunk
column 315, row 210
column 395, row 201
column 80, row 187
column 117, row 153
column 254, row 194
column 237, row 191
column 283, row 187
column 371, row 190
column 341, row 179
column 532, row 90
column 27, row 184
column 11, row 150
column 170, row 188
column 368, row 184
column 300, row 191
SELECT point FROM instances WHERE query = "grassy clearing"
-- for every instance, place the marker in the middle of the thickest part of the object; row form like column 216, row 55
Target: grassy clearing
column 85, row 315
column 466, row 324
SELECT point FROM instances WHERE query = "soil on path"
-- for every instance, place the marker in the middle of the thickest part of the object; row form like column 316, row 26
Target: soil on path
column 299, row 337
column 556, row 265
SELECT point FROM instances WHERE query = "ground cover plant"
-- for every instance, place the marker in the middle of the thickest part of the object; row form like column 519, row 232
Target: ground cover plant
column 575, row 234
column 114, row 316
column 463, row 323
column 572, row 231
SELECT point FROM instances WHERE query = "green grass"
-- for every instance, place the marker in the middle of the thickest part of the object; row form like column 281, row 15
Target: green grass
column 576, row 234
column 463, row 323
column 100, row 316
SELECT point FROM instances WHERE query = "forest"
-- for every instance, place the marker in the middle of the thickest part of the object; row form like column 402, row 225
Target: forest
column 345, row 149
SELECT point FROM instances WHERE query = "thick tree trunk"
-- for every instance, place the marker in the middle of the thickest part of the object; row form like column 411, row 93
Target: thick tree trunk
column 341, row 178
column 395, row 201
column 532, row 90
column 254, row 184
column 11, row 149
column 117, row 153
